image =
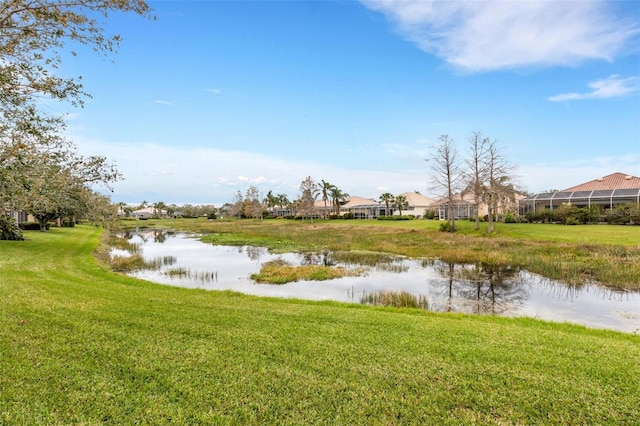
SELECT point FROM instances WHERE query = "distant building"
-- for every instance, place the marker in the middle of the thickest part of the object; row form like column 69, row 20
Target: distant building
column 417, row 204
column 149, row 212
column 607, row 192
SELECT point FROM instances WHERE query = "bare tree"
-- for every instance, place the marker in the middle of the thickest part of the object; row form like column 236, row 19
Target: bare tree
column 252, row 205
column 445, row 173
column 499, row 178
column 308, row 194
column 476, row 169
column 235, row 209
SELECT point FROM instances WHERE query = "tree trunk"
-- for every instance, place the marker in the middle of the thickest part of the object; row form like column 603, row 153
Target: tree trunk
column 490, row 211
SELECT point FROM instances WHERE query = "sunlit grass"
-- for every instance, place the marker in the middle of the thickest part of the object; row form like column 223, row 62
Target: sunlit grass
column 80, row 344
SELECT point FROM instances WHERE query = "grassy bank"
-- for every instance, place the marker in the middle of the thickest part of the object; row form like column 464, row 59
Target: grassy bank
column 607, row 254
column 82, row 345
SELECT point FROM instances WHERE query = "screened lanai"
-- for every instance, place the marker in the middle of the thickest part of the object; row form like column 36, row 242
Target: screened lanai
column 608, row 192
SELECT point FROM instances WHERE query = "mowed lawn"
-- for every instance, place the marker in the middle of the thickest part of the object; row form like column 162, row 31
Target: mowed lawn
column 82, row 345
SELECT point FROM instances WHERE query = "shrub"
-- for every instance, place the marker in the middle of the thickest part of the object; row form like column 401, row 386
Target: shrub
column 347, row 215
column 625, row 214
column 509, row 218
column 32, row 226
column 429, row 214
column 395, row 217
column 572, row 220
column 446, row 227
column 9, row 230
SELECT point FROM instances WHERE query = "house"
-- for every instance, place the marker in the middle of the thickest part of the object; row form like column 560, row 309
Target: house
column 363, row 208
column 464, row 206
column 607, row 192
column 149, row 212
column 417, row 204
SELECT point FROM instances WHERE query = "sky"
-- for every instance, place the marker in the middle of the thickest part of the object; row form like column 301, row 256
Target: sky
column 212, row 97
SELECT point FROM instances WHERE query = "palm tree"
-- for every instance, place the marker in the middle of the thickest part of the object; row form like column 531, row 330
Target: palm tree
column 283, row 202
column 270, row 201
column 337, row 196
column 325, row 190
column 158, row 208
column 387, row 198
column 400, row 202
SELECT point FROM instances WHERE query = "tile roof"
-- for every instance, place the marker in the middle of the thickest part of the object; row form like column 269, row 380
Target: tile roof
column 416, row 199
column 612, row 181
column 358, row 201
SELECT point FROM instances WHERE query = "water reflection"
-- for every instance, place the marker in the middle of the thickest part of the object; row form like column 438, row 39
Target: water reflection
column 479, row 289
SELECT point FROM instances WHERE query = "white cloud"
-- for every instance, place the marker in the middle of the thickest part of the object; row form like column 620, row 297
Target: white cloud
column 611, row 87
column 215, row 91
column 162, row 102
column 210, row 175
column 484, row 36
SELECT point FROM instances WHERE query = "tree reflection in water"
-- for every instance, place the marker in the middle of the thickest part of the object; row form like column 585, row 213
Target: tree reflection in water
column 479, row 288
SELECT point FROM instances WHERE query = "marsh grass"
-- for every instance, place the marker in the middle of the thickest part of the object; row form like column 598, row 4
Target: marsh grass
column 84, row 346
column 361, row 257
column 279, row 271
column 396, row 299
column 554, row 251
column 202, row 276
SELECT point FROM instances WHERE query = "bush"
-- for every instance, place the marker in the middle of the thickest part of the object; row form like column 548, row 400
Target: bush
column 446, row 227
column 509, row 218
column 625, row 214
column 32, row 226
column 429, row 214
column 395, row 217
column 347, row 215
column 9, row 230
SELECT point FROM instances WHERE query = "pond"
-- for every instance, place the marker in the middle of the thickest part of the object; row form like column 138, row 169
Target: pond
column 182, row 260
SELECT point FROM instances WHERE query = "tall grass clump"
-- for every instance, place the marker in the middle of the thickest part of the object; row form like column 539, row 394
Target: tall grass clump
column 280, row 271
column 397, row 299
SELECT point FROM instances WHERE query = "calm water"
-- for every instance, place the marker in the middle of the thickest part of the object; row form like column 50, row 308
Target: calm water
column 454, row 288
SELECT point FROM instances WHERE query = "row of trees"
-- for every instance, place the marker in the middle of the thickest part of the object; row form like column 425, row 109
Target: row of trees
column 485, row 173
column 251, row 205
column 40, row 171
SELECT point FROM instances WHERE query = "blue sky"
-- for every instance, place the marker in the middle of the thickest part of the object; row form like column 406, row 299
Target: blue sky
column 215, row 96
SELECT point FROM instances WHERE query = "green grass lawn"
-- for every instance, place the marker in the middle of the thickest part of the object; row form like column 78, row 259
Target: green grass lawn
column 82, row 345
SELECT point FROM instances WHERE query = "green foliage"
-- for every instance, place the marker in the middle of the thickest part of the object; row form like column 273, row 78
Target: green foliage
column 446, row 226
column 9, row 230
column 32, row 226
column 566, row 214
column 395, row 218
column 510, row 218
column 625, row 214
column 429, row 214
column 347, row 216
